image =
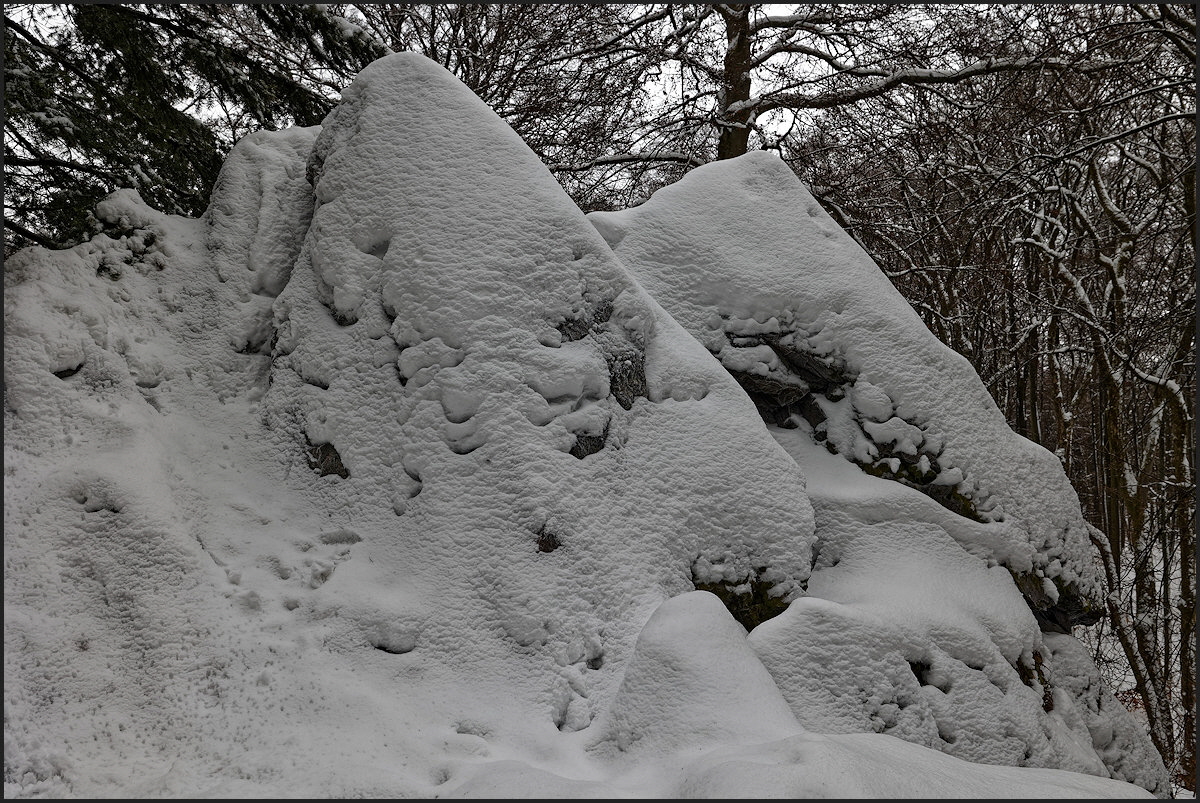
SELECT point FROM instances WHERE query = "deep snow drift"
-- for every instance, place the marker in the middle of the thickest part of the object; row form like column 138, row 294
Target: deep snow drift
column 395, row 475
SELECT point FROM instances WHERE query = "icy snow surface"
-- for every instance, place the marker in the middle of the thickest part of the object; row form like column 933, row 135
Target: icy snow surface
column 387, row 478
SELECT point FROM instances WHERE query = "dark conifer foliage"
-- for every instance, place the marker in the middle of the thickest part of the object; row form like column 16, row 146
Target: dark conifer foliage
column 99, row 97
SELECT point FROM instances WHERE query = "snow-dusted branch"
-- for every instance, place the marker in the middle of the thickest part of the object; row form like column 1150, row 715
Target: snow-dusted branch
column 882, row 84
column 627, row 158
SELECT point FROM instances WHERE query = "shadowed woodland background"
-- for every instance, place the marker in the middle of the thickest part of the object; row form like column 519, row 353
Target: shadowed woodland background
column 1025, row 175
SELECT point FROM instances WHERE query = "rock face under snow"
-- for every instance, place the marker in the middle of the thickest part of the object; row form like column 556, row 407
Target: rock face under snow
column 797, row 311
column 394, row 476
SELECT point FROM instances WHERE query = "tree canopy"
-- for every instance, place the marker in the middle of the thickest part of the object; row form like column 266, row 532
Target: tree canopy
column 151, row 97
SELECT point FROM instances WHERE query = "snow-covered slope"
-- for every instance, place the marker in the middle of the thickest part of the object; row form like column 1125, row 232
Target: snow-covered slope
column 388, row 478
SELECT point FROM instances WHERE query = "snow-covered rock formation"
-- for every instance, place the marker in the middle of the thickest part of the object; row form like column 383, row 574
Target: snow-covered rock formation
column 839, row 364
column 395, row 476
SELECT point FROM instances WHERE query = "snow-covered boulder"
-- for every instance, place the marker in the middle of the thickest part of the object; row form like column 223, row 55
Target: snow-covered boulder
column 503, row 412
column 794, row 308
column 946, row 543
column 389, row 478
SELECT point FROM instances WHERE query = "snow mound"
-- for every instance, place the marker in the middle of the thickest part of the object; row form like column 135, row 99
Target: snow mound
column 692, row 649
column 386, row 478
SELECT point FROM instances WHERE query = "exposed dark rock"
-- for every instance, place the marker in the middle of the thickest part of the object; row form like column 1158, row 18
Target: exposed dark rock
column 574, row 328
column 68, row 372
column 588, row 444
column 1056, row 616
column 750, row 608
column 1033, row 675
column 324, row 458
column 547, row 541
column 627, row 375
column 810, row 411
column 588, row 321
column 775, row 391
column 820, row 373
column 921, row 670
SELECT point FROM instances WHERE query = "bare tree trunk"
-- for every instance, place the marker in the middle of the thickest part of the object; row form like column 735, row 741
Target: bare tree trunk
column 735, row 85
column 1182, row 521
column 1033, row 364
column 1125, row 629
column 1108, row 470
column 1186, row 522
column 1187, row 647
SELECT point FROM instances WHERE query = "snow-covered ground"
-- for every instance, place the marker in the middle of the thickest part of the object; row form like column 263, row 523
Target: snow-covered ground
column 396, row 476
